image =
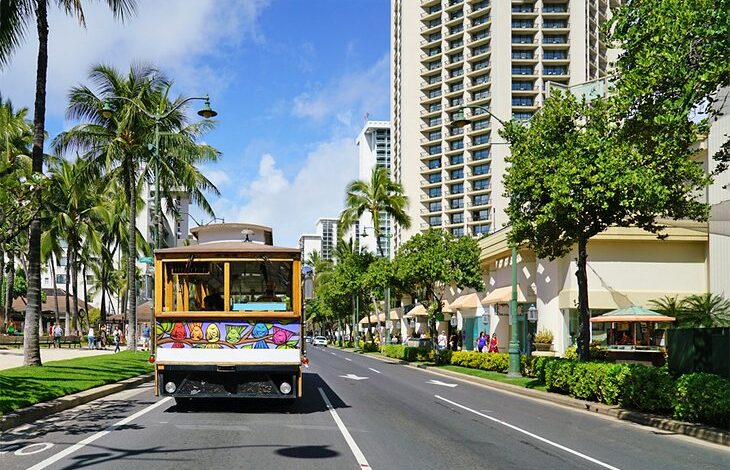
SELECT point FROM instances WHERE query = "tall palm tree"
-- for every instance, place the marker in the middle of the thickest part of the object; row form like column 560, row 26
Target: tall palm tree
column 14, row 19
column 119, row 146
column 379, row 197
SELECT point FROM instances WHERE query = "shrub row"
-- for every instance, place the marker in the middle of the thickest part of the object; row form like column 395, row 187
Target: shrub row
column 409, row 353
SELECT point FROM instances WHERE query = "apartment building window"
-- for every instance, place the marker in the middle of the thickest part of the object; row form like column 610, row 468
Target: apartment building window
column 521, row 85
column 480, row 20
column 555, row 39
column 522, row 70
column 480, row 5
column 480, row 79
column 481, row 169
column 434, row 178
column 458, row 101
column 433, row 164
column 455, row 2
column 457, row 232
column 434, row 51
column 457, row 203
column 456, row 145
column 518, row 54
column 481, row 184
column 458, row 57
column 434, row 93
column 480, row 200
column 480, row 50
column 434, row 220
column 523, row 23
column 478, row 125
column 434, row 9
column 456, row 14
column 555, row 70
column 480, row 35
column 525, row 8
column 482, row 64
column 481, row 229
column 434, row 207
column 522, row 39
column 436, row 135
column 434, row 149
column 457, row 174
column 522, row 115
column 456, row 72
column 433, row 65
column 480, row 139
column 554, row 8
column 481, row 154
column 555, row 55
column 456, row 131
column 555, row 24
column 434, row 79
column 60, row 279
column 523, row 101
column 456, row 29
column 480, row 215
column 434, row 192
column 434, row 37
column 434, row 107
column 456, row 159
column 457, row 188
column 457, row 218
column 456, row 43
column 456, row 87
column 434, row 121
column 433, row 23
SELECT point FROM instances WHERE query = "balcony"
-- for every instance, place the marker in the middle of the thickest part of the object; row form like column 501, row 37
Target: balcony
column 479, row 23
column 477, row 8
column 479, row 204
column 427, row 197
column 480, row 38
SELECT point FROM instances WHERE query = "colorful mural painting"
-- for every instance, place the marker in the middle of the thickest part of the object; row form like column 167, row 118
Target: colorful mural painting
column 228, row 334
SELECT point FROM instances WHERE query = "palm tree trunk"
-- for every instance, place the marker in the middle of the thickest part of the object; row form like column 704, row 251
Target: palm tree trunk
column 75, row 286
column 2, row 280
column 55, row 288
column 86, row 295
column 584, row 336
column 9, row 286
column 69, row 330
column 31, row 344
column 131, row 256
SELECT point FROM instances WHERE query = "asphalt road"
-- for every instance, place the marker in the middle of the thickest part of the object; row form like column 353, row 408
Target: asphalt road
column 357, row 412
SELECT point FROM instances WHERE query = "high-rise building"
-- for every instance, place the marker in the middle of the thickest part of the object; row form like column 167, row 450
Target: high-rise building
column 373, row 144
column 326, row 229
column 447, row 55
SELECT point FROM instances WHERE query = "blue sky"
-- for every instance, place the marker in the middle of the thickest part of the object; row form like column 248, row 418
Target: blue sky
column 290, row 79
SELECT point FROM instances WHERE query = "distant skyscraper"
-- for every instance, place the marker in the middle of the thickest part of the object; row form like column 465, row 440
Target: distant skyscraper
column 327, row 231
column 451, row 54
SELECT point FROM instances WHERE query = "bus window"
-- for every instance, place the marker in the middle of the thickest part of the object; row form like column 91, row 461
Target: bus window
column 194, row 286
column 264, row 285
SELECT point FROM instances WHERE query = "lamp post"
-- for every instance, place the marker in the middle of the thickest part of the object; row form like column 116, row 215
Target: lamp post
column 206, row 112
column 386, row 288
column 514, row 342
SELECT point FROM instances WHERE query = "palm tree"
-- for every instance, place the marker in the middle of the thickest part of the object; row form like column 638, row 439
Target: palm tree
column 705, row 310
column 118, row 146
column 14, row 19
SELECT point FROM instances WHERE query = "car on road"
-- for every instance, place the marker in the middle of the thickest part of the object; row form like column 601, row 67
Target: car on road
column 308, row 339
column 319, row 341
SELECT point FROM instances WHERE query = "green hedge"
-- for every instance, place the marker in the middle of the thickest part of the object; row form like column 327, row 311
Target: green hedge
column 409, row 353
column 703, row 397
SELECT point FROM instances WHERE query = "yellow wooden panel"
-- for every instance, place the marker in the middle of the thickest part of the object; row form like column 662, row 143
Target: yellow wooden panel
column 158, row 288
column 297, row 287
column 227, row 286
column 213, row 315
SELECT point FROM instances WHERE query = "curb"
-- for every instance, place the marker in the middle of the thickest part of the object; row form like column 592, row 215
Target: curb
column 706, row 433
column 42, row 410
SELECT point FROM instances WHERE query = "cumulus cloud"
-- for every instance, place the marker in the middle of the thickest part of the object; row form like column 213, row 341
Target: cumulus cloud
column 361, row 91
column 291, row 206
column 218, row 177
column 174, row 37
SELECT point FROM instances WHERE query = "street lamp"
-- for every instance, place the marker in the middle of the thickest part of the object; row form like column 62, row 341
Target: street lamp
column 462, row 120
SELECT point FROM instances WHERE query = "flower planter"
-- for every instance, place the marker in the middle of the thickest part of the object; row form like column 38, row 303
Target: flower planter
column 543, row 346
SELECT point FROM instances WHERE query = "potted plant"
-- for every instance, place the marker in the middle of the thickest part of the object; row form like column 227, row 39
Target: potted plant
column 543, row 340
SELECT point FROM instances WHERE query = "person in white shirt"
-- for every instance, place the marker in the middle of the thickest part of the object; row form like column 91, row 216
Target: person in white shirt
column 91, row 337
column 442, row 341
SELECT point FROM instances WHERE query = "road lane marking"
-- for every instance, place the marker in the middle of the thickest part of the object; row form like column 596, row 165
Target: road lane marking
column 376, row 371
column 348, row 359
column 98, row 435
column 361, row 460
column 528, row 433
column 353, row 377
column 443, row 384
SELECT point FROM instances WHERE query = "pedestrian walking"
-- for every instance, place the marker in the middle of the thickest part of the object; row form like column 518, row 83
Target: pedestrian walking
column 494, row 344
column 454, row 342
column 146, row 332
column 482, row 341
column 57, row 333
column 442, row 341
column 486, row 342
column 117, row 338
column 90, row 337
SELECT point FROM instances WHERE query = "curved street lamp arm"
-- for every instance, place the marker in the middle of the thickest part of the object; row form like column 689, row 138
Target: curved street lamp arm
column 159, row 117
column 486, row 110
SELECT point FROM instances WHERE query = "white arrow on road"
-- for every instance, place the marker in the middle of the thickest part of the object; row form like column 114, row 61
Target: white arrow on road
column 353, row 377
column 438, row 382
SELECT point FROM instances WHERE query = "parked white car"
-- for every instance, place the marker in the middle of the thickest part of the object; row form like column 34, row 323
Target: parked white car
column 319, row 341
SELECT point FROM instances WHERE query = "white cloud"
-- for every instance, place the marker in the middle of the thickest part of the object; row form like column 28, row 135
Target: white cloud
column 292, row 206
column 218, row 177
column 173, row 36
column 363, row 90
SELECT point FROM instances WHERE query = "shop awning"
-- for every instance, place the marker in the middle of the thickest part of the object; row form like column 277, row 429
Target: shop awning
column 466, row 301
column 379, row 318
column 632, row 314
column 417, row 311
column 502, row 295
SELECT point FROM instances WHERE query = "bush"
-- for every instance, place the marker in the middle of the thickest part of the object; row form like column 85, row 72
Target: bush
column 646, row 388
column 408, row 353
column 596, row 352
column 497, row 362
column 370, row 347
column 703, row 397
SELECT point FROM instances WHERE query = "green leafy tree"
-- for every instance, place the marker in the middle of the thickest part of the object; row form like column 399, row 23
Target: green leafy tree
column 572, row 175
column 431, row 262
column 704, row 310
column 15, row 17
column 675, row 61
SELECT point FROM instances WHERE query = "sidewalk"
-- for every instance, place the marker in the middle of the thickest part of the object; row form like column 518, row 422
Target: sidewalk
column 13, row 357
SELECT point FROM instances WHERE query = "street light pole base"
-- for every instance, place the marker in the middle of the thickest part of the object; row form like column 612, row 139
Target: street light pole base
column 514, row 375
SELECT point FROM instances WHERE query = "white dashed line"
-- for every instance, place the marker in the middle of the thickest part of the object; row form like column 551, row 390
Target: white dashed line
column 348, row 359
column 361, row 460
column 376, row 371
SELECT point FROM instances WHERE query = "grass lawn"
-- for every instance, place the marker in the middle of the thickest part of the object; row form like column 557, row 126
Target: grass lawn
column 24, row 386
column 526, row 382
